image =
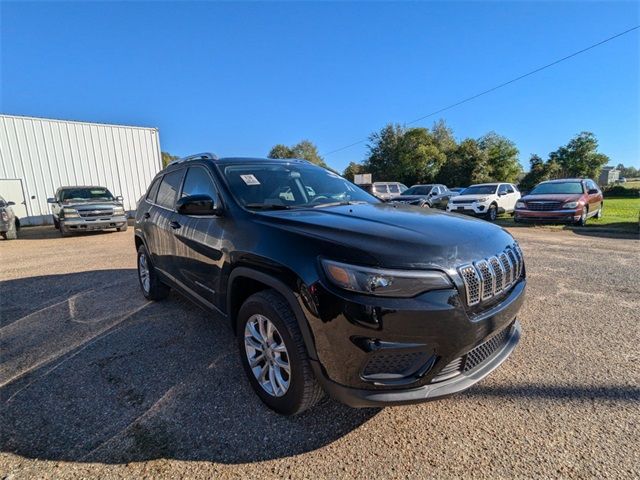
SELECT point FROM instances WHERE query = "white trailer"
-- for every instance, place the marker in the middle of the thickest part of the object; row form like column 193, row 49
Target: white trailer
column 38, row 155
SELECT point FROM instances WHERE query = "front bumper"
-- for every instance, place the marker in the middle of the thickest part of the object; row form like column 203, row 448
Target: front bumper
column 361, row 398
column 474, row 208
column 424, row 336
column 76, row 224
column 566, row 215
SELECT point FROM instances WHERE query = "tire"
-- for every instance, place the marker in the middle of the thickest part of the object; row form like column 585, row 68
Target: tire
column 56, row 223
column 123, row 228
column 583, row 218
column 154, row 289
column 492, row 213
column 12, row 233
column 302, row 389
column 599, row 214
column 63, row 231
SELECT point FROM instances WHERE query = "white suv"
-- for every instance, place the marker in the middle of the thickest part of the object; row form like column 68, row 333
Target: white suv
column 487, row 199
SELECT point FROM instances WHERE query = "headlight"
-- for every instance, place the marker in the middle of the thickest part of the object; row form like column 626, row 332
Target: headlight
column 571, row 204
column 388, row 283
column 519, row 204
column 4, row 216
column 482, row 200
column 118, row 210
column 69, row 212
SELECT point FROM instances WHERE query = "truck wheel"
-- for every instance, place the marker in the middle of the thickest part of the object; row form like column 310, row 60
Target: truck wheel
column 492, row 213
column 123, row 228
column 274, row 356
column 152, row 287
column 56, row 223
column 64, row 232
column 12, row 233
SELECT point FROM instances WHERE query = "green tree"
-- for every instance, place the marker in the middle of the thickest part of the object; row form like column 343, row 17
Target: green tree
column 537, row 173
column 467, row 165
column 406, row 155
column 167, row 158
column 502, row 158
column 353, row 169
column 580, row 158
column 304, row 149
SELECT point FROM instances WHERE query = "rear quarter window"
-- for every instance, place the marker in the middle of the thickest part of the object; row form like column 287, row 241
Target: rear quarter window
column 168, row 190
column 153, row 190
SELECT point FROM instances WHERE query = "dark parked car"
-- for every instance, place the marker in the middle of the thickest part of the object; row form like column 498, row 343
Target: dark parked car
column 429, row 196
column 326, row 287
column 81, row 209
column 9, row 223
column 566, row 200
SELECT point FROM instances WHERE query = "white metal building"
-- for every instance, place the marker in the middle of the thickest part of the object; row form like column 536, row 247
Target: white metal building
column 38, row 155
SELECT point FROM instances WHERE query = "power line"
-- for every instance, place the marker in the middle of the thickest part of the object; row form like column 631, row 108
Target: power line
column 513, row 80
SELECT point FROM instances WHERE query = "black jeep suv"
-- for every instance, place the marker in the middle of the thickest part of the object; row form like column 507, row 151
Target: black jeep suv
column 327, row 288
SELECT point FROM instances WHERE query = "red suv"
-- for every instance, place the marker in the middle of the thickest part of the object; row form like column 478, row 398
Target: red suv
column 565, row 200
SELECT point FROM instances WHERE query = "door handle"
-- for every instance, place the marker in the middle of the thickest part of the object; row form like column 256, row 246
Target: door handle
column 175, row 225
column 146, row 215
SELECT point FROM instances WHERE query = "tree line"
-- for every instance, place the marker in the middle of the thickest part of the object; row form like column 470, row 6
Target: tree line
column 420, row 155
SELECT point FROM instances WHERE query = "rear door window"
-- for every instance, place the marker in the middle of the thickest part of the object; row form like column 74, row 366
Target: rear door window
column 168, row 190
column 393, row 188
column 380, row 188
column 153, row 190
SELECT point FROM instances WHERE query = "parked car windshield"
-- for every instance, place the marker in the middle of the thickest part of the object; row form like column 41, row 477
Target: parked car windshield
column 418, row 190
column 291, row 185
column 479, row 190
column 557, row 187
column 97, row 193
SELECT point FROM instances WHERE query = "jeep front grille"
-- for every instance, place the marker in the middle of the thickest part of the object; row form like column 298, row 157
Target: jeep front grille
column 486, row 278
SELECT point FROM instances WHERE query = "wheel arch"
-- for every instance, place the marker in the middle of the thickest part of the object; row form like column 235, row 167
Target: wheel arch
column 245, row 281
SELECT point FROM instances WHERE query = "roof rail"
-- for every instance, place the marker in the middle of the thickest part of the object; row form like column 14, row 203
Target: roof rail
column 197, row 156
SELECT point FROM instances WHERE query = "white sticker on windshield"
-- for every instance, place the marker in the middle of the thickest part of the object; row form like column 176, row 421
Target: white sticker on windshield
column 250, row 179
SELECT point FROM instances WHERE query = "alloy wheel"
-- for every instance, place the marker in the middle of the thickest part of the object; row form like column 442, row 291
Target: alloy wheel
column 143, row 271
column 267, row 355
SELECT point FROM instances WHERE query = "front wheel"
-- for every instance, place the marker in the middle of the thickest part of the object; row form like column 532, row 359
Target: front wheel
column 123, row 228
column 492, row 214
column 274, row 356
column 152, row 287
column 583, row 218
column 12, row 233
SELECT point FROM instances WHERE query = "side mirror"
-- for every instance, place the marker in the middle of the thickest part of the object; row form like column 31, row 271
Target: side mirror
column 9, row 203
column 197, row 205
column 593, row 191
column 51, row 200
column 119, row 198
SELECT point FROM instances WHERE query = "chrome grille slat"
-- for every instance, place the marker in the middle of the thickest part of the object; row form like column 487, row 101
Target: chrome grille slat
column 487, row 278
column 472, row 283
column 499, row 273
column 488, row 284
column 508, row 268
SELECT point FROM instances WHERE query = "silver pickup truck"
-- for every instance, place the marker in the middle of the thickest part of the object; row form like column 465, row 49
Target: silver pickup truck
column 82, row 209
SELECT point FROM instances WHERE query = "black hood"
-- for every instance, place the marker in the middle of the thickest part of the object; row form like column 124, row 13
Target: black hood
column 397, row 236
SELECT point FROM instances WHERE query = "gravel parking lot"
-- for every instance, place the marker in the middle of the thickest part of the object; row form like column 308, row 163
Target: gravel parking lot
column 98, row 382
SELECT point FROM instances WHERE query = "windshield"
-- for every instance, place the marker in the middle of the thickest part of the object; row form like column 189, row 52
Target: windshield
column 418, row 190
column 85, row 194
column 557, row 187
column 290, row 185
column 480, row 190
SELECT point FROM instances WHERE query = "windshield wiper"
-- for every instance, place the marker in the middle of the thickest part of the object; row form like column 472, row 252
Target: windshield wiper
column 267, row 206
column 341, row 203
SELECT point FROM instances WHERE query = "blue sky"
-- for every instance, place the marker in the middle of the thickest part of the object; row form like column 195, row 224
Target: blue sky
column 236, row 78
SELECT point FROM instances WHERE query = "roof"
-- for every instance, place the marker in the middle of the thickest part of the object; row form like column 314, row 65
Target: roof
column 62, row 120
column 70, row 187
column 562, row 180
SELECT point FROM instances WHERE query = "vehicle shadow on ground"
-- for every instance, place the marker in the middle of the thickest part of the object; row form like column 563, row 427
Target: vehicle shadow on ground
column 91, row 371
